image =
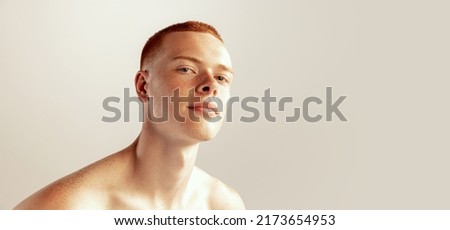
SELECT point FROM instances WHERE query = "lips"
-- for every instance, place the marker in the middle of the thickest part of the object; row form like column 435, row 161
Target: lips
column 207, row 107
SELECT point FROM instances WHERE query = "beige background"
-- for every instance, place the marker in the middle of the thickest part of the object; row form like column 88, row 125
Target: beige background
column 60, row 59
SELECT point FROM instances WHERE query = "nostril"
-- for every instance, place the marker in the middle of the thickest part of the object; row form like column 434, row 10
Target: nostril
column 205, row 89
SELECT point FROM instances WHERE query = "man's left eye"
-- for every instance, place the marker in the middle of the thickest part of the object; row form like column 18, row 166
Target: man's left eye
column 221, row 78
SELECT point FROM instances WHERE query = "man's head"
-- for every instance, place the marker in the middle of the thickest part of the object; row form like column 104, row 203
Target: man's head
column 183, row 66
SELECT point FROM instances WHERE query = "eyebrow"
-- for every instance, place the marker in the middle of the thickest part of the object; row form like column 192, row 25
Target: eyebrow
column 198, row 61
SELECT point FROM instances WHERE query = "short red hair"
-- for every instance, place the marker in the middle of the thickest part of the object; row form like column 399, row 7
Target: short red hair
column 154, row 42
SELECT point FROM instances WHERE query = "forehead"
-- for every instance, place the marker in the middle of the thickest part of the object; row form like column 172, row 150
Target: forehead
column 200, row 45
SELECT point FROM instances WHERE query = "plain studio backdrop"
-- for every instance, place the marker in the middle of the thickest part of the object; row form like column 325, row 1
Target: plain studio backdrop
column 60, row 59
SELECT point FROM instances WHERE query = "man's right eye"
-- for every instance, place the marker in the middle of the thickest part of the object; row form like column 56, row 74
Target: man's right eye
column 185, row 70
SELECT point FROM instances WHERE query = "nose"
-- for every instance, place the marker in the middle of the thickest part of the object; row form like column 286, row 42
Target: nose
column 208, row 85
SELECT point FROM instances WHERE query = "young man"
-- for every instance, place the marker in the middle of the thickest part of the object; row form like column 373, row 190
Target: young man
column 183, row 68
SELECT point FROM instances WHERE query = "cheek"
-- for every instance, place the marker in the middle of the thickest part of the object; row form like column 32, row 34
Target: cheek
column 169, row 84
column 161, row 86
column 224, row 96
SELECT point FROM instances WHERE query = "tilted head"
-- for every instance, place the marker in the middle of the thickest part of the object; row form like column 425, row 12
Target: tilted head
column 183, row 66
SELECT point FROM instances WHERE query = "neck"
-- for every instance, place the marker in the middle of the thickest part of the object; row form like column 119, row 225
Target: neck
column 163, row 167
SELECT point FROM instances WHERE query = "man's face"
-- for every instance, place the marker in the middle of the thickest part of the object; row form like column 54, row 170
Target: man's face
column 189, row 68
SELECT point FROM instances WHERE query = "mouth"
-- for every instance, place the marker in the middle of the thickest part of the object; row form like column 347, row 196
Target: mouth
column 209, row 108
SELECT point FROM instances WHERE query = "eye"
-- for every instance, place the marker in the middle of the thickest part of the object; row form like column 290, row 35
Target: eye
column 221, row 78
column 185, row 70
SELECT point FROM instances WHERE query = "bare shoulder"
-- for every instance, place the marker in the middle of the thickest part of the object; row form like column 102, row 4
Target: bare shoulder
column 64, row 193
column 221, row 196
column 82, row 189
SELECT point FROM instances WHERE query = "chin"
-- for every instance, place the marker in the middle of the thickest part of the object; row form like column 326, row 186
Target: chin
column 204, row 131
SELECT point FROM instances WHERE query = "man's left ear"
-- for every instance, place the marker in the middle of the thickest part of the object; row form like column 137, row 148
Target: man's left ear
column 140, row 83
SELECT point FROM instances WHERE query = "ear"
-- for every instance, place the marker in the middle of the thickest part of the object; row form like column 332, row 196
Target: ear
column 140, row 83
